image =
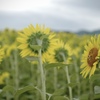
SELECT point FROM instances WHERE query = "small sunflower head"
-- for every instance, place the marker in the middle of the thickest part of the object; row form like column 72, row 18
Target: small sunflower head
column 62, row 53
column 10, row 49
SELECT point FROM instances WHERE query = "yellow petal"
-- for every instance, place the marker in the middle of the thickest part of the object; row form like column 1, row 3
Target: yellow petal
column 21, row 40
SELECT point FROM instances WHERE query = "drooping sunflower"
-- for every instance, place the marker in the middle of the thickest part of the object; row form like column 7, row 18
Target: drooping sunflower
column 1, row 54
column 28, row 38
column 62, row 53
column 90, row 58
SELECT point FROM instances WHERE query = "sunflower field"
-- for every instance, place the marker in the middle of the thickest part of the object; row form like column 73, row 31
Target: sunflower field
column 39, row 64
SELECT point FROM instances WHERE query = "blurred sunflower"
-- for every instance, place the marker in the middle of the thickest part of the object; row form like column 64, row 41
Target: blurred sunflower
column 28, row 38
column 11, row 48
column 1, row 54
column 3, row 76
column 62, row 53
column 90, row 57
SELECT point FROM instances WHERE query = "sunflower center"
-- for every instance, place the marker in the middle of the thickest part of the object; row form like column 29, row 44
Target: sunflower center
column 33, row 41
column 91, row 56
column 59, row 56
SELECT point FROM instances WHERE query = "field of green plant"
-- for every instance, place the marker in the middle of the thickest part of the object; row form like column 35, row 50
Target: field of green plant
column 39, row 64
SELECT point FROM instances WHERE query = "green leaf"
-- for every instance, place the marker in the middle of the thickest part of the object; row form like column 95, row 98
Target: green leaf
column 22, row 90
column 43, row 36
column 73, row 77
column 60, row 98
column 59, row 92
column 51, row 65
column 95, row 76
column 9, row 88
column 97, row 89
column 75, row 99
column 84, row 97
column 73, row 84
column 97, row 96
column 32, row 58
column 35, row 47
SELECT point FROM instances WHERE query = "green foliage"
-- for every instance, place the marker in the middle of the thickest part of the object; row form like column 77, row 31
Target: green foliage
column 51, row 65
column 9, row 88
column 22, row 90
column 59, row 92
column 26, row 84
column 84, row 97
column 95, row 77
column 60, row 98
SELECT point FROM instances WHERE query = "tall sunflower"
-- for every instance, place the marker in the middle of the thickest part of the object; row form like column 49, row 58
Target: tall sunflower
column 90, row 58
column 62, row 53
column 28, row 38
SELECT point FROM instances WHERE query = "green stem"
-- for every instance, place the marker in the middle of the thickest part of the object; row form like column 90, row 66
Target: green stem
column 91, row 90
column 7, row 93
column 16, row 70
column 50, row 95
column 32, row 73
column 55, row 78
column 12, row 68
column 77, row 79
column 38, row 81
column 42, row 77
column 42, row 72
column 68, row 77
column 7, row 80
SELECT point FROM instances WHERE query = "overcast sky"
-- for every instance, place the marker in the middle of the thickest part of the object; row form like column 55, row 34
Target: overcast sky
column 69, row 15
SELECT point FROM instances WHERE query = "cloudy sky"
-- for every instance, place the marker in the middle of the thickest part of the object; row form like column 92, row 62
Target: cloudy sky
column 69, row 15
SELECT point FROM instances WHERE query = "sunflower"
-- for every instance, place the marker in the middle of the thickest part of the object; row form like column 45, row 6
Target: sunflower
column 3, row 76
column 1, row 54
column 62, row 53
column 11, row 49
column 28, row 38
column 90, row 58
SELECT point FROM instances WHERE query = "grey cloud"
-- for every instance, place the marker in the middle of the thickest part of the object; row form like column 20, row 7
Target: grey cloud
column 93, row 5
column 19, row 21
column 71, row 15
